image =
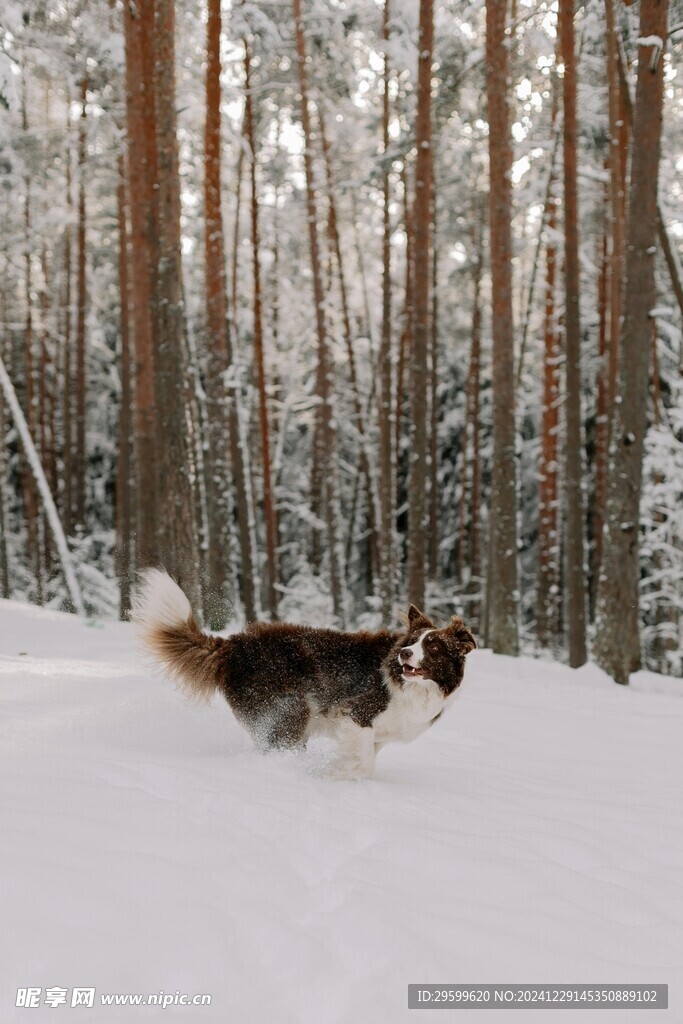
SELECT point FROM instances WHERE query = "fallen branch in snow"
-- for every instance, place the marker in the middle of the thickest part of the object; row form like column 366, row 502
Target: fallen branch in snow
column 43, row 489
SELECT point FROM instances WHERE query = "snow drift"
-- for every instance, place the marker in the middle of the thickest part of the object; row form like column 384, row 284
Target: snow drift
column 533, row 835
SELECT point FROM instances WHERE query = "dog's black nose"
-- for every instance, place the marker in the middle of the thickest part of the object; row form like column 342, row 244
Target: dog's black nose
column 404, row 654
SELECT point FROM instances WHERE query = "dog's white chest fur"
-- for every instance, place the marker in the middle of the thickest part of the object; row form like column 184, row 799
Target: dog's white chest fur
column 412, row 708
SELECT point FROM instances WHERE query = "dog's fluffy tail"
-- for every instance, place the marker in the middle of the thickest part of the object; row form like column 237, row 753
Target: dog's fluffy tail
column 169, row 631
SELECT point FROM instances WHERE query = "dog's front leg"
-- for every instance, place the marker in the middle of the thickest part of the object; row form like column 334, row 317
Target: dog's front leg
column 355, row 755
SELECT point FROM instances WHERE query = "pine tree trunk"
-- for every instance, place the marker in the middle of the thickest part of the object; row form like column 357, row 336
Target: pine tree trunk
column 234, row 281
column 80, row 459
column 30, row 497
column 176, row 527
column 216, row 450
column 44, row 401
column 470, row 492
column 547, row 609
column 386, row 406
column 368, row 327
column 475, row 579
column 601, row 421
column 124, row 554
column 573, row 474
column 617, row 176
column 417, row 468
column 617, row 642
column 327, row 434
column 405, row 345
column 67, row 403
column 433, row 545
column 269, row 507
column 142, row 173
column 503, row 596
column 366, row 467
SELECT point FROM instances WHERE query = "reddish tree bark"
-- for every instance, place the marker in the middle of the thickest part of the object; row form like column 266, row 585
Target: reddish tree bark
column 142, row 172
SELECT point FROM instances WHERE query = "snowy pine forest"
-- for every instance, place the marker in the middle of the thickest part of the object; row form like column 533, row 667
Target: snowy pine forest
column 332, row 305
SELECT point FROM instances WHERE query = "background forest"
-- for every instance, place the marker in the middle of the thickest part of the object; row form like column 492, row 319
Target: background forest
column 327, row 306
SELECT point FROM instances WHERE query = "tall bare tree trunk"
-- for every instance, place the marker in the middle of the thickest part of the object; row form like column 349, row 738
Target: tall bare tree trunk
column 44, row 432
column 601, row 419
column 617, row 166
column 547, row 597
column 81, row 300
column 217, row 449
column 234, row 278
column 469, row 528
column 269, row 507
column 476, row 581
column 573, row 474
column 29, row 492
column 503, row 596
column 327, row 434
column 67, row 397
column 617, row 196
column 417, row 470
column 617, row 643
column 124, row 467
column 405, row 345
column 386, row 406
column 142, row 172
column 177, row 533
column 366, row 469
column 433, row 545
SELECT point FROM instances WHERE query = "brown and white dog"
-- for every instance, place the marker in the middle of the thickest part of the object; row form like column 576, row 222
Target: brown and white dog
column 287, row 683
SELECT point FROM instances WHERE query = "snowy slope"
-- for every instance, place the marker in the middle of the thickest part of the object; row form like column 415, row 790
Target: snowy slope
column 533, row 835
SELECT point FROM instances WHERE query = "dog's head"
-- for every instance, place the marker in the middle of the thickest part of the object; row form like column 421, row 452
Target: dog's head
column 426, row 651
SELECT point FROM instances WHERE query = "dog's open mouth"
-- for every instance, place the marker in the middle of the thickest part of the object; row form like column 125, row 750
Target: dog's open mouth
column 408, row 670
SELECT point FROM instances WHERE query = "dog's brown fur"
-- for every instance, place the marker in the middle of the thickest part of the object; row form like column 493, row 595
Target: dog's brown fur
column 287, row 682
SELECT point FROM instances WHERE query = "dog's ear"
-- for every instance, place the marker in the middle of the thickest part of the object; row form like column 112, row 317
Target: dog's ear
column 414, row 614
column 417, row 618
column 463, row 636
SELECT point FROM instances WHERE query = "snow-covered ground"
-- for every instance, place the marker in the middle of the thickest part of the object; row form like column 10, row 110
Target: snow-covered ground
column 533, row 835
